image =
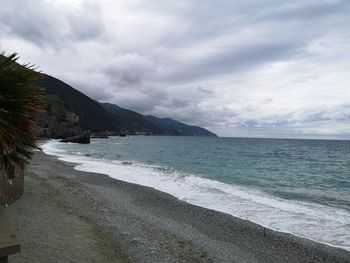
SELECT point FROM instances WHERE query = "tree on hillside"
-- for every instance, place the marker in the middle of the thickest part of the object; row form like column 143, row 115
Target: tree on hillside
column 20, row 101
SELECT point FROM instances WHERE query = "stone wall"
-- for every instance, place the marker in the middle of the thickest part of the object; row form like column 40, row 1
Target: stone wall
column 11, row 189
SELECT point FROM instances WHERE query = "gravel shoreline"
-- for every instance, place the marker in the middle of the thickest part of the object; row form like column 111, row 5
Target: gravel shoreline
column 72, row 216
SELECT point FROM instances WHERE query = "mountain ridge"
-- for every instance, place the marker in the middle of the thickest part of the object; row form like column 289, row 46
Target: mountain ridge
column 70, row 112
column 167, row 125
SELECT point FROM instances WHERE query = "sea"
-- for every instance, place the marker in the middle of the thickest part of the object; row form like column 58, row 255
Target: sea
column 295, row 186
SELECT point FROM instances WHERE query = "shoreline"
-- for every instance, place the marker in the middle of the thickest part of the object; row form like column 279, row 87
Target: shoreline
column 131, row 175
column 153, row 226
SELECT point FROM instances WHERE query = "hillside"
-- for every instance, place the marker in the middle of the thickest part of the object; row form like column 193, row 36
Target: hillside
column 173, row 127
column 161, row 126
column 132, row 120
column 69, row 112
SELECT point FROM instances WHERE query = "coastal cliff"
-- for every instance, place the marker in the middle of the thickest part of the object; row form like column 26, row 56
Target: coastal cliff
column 70, row 112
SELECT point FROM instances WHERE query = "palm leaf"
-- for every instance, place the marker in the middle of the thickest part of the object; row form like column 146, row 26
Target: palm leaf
column 20, row 101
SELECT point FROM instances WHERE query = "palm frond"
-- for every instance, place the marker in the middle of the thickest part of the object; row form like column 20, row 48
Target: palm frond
column 20, row 101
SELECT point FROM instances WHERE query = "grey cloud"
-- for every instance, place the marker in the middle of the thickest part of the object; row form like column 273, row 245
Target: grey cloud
column 142, row 100
column 31, row 20
column 83, row 29
column 50, row 25
column 230, row 17
column 192, row 114
column 339, row 113
column 236, row 59
column 317, row 116
column 307, row 11
column 267, row 10
column 129, row 69
column 91, row 86
column 258, row 123
column 291, row 120
column 177, row 103
column 249, row 123
column 250, row 67
column 206, row 91
column 86, row 23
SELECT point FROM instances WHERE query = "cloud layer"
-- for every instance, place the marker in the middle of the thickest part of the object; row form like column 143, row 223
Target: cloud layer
column 240, row 68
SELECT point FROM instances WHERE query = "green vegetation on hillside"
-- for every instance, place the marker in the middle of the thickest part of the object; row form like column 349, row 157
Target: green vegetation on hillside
column 55, row 106
column 79, row 112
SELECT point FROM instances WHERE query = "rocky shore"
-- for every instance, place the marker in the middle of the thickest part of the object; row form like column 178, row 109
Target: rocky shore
column 71, row 216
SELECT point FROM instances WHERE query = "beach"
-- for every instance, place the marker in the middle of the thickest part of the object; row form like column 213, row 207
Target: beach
column 67, row 215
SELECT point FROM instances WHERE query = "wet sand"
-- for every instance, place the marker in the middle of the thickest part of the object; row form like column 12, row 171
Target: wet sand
column 72, row 216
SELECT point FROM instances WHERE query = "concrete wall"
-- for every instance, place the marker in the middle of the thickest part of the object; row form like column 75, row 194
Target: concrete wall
column 11, row 189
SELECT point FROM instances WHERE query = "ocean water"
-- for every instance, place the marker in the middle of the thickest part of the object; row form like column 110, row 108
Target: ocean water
column 296, row 186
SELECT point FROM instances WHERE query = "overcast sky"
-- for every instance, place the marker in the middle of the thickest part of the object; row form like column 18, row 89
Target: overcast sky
column 258, row 68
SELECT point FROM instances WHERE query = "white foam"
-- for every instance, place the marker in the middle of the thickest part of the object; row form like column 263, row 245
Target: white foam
column 317, row 222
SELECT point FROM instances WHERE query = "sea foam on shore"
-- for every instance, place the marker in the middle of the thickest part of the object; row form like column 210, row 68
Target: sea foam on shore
column 317, row 222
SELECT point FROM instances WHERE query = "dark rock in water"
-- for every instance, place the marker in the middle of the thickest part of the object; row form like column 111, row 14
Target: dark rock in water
column 122, row 135
column 83, row 138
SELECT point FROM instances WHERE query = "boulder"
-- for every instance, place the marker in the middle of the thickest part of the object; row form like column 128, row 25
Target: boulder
column 83, row 138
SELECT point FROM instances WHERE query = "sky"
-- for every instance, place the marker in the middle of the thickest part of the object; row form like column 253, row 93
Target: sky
column 240, row 68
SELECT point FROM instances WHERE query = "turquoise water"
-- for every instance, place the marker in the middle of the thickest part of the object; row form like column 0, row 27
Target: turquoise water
column 308, row 180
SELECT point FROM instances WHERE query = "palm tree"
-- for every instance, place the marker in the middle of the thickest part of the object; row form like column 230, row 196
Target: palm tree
column 20, row 101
